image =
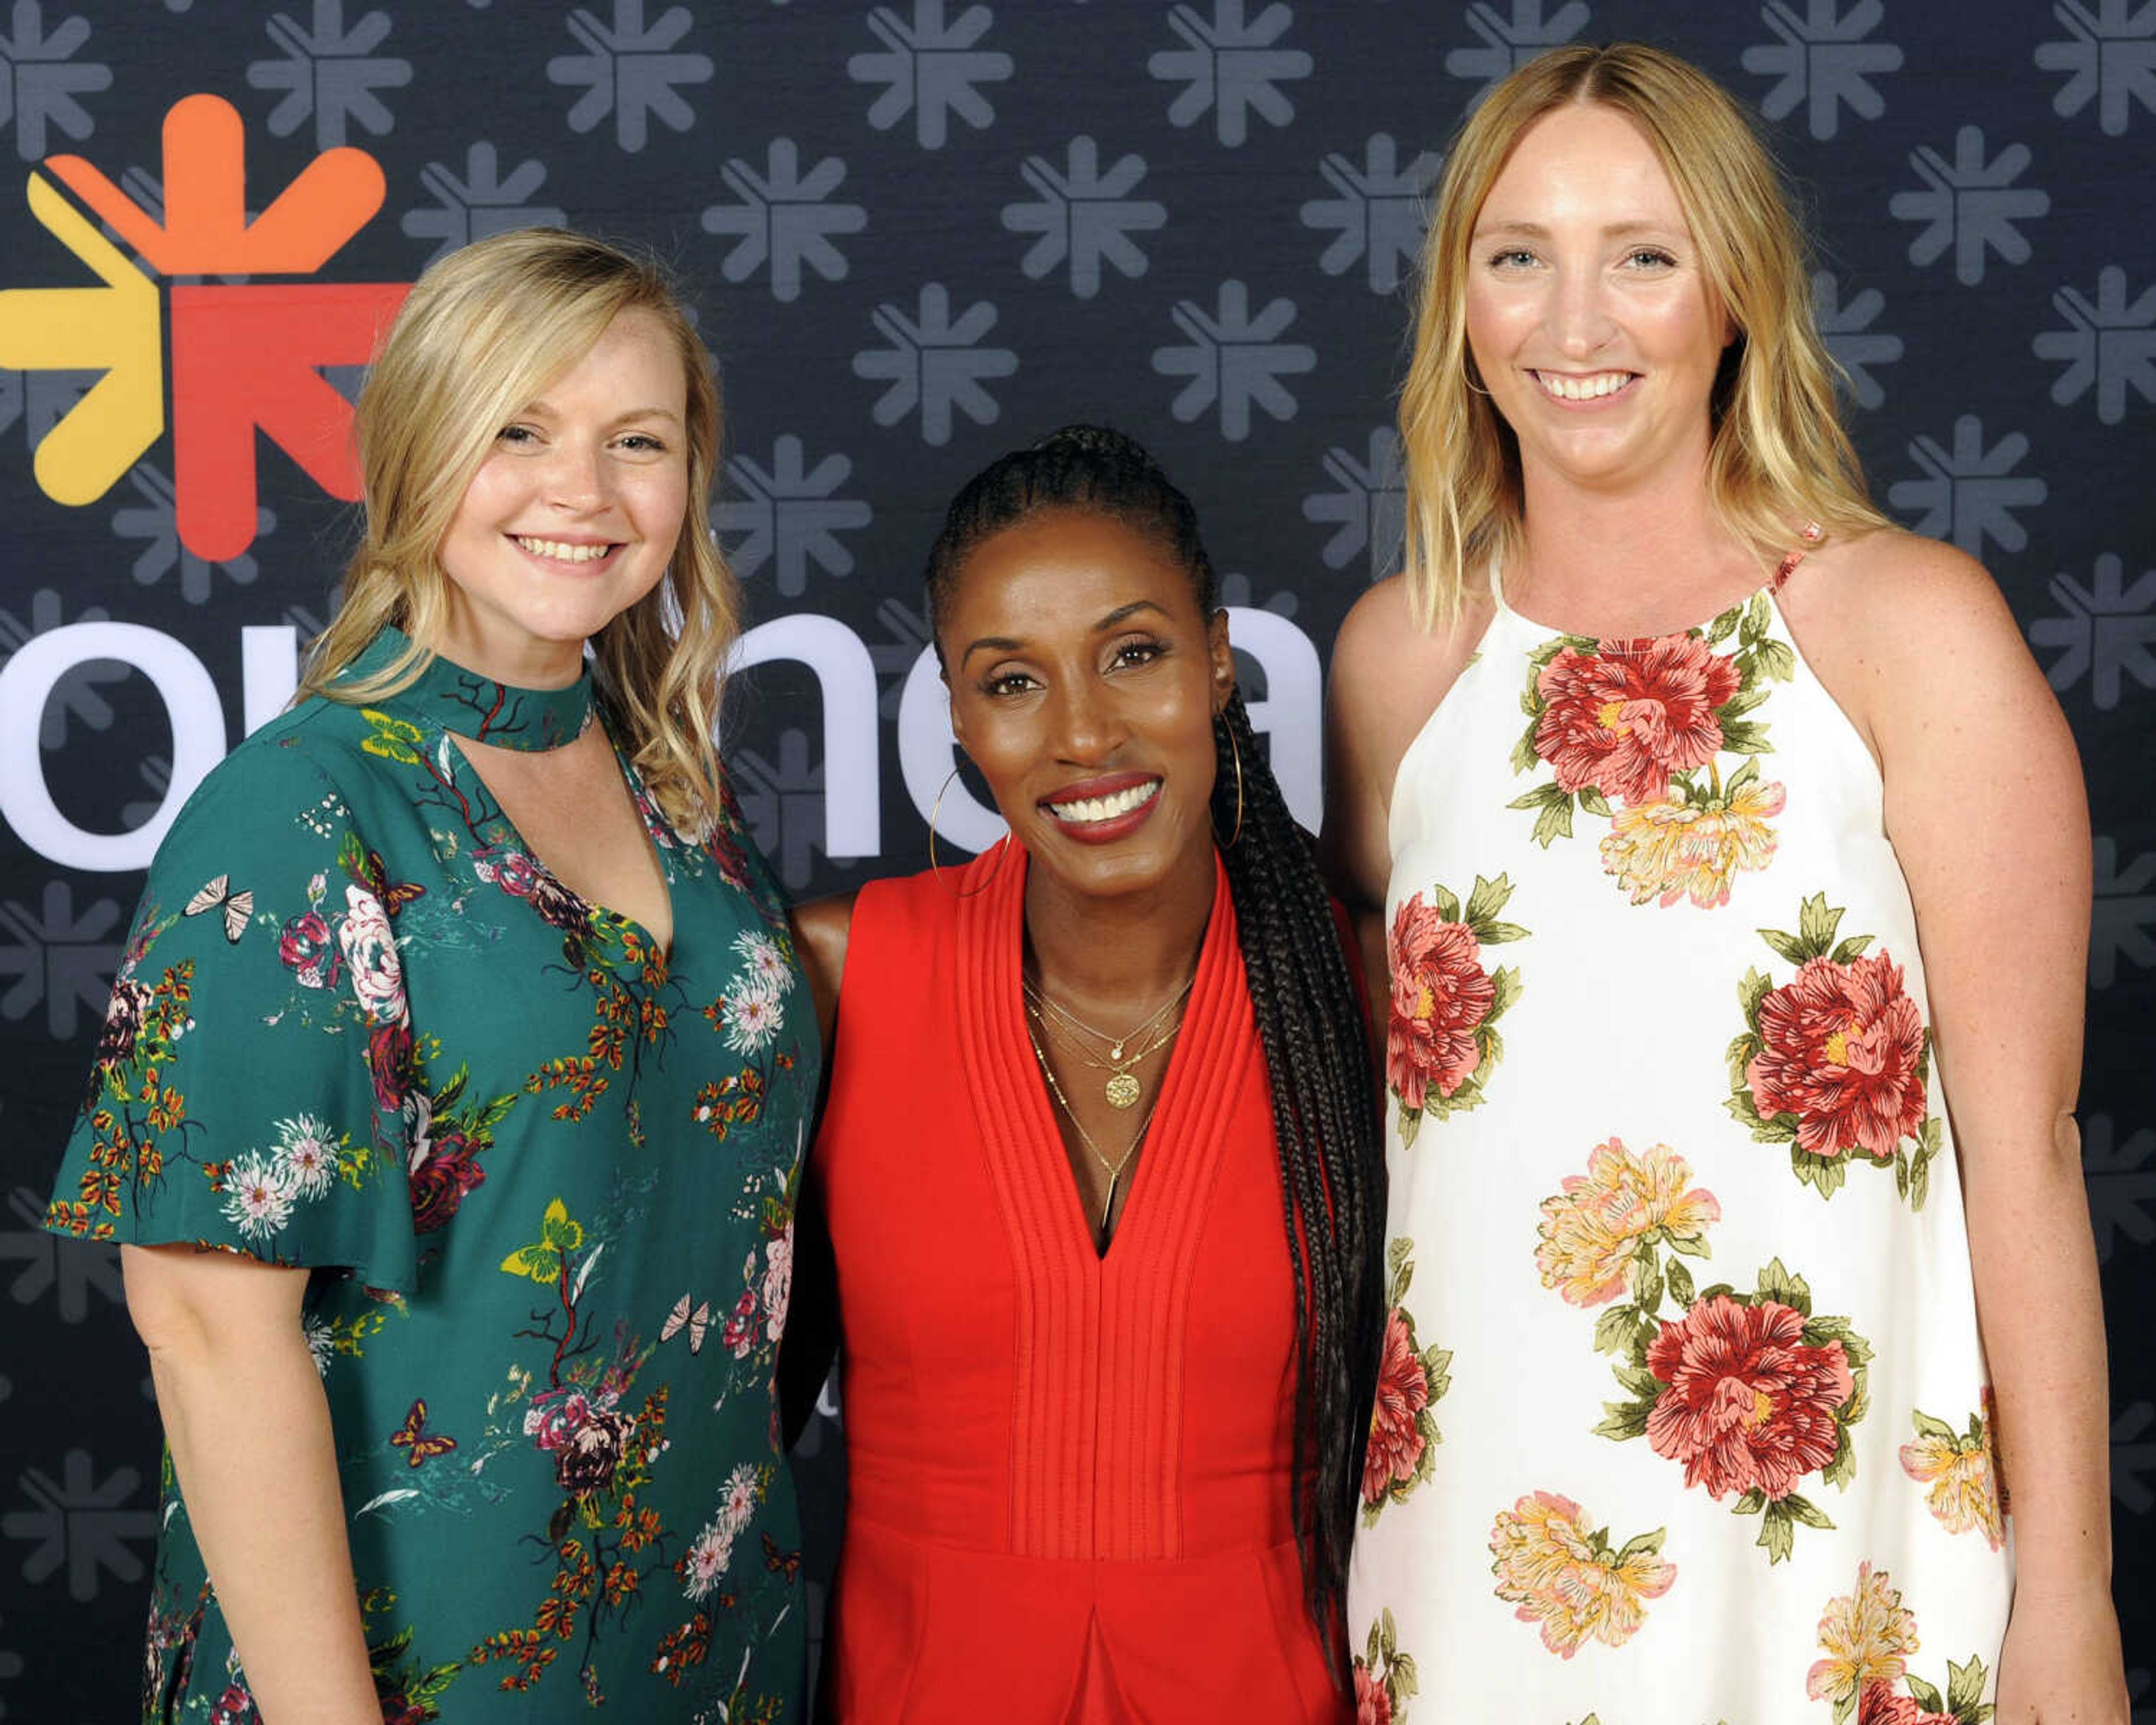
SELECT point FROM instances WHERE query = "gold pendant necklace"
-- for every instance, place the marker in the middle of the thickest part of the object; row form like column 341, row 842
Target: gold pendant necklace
column 1122, row 1088
column 1114, row 1170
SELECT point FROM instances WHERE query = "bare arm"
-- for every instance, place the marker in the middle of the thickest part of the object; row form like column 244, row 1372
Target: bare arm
column 1388, row 676
column 819, row 936
column 1987, row 814
column 250, row 1430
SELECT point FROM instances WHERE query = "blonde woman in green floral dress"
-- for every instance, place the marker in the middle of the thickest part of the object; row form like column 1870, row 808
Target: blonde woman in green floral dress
column 1735, row 868
column 449, row 1107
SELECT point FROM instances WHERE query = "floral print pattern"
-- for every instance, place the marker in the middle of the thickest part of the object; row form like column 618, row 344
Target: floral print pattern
column 1558, row 1569
column 1961, row 1470
column 1404, row 1434
column 491, row 1350
column 1836, row 1063
column 1868, row 1635
column 1441, row 1041
column 1384, row 1676
column 1633, row 732
column 1751, row 1392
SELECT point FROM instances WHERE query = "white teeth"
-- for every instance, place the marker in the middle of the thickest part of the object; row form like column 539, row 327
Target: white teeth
column 1088, row 809
column 562, row 552
column 1591, row 388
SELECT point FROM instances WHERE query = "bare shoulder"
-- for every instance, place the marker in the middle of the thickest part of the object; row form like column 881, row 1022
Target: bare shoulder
column 1388, row 674
column 1890, row 615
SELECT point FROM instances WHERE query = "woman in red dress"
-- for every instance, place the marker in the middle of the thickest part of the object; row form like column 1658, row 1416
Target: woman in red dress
column 1099, row 1161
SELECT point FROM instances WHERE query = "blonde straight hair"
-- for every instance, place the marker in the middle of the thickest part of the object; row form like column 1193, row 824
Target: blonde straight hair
column 1778, row 457
column 481, row 335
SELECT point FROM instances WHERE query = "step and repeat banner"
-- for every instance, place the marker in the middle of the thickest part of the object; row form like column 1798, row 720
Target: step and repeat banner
column 919, row 233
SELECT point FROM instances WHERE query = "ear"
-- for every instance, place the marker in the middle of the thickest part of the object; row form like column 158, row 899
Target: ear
column 1222, row 658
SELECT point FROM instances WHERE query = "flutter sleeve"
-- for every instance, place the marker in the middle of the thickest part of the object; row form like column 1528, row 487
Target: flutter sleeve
column 250, row 1076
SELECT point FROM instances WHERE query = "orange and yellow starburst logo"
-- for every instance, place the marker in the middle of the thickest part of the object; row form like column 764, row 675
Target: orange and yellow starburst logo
column 244, row 357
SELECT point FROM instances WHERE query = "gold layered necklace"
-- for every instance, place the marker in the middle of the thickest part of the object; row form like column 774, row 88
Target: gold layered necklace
column 1122, row 1087
column 1113, row 1170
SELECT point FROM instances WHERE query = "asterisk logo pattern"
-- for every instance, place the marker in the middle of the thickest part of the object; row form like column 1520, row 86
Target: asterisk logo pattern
column 40, row 78
column 930, row 69
column 784, row 219
column 1970, row 204
column 1509, row 39
column 2123, row 924
column 1235, row 360
column 2109, row 57
column 479, row 201
column 2104, row 631
column 1084, row 217
column 1856, row 345
column 631, row 71
column 2122, row 1184
column 934, row 364
column 2108, row 345
column 330, row 72
column 1367, row 504
column 1969, row 493
column 1376, row 213
column 1823, row 61
column 789, row 516
column 1231, row 67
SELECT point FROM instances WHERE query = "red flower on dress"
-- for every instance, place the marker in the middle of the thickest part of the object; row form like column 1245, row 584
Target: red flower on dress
column 1843, row 1045
column 1441, row 994
column 389, row 1063
column 1396, row 1440
column 1750, row 1404
column 1879, row 1705
column 1623, row 717
column 1374, row 1705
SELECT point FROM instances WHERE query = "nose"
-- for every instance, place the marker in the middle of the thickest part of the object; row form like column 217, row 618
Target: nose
column 577, row 475
column 1087, row 730
column 1580, row 319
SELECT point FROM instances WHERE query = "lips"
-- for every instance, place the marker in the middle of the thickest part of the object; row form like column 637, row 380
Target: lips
column 564, row 551
column 1102, row 810
column 1583, row 386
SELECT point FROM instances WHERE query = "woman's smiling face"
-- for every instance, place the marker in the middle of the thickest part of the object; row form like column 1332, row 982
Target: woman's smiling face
column 1589, row 316
column 1084, row 680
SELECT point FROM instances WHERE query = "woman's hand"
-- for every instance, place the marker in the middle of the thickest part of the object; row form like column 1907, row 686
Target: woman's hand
column 248, row 1428
column 2061, row 1664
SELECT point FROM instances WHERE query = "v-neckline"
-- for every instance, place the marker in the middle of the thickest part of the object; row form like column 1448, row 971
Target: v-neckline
column 998, row 950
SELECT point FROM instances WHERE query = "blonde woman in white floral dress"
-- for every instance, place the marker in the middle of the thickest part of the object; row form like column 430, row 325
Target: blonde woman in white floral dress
column 1725, row 837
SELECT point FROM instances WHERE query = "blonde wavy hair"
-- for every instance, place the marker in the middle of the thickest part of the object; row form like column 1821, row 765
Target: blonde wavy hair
column 481, row 335
column 1778, row 456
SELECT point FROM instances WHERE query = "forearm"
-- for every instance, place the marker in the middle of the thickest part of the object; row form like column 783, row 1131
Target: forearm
column 249, row 1432
column 2040, row 1314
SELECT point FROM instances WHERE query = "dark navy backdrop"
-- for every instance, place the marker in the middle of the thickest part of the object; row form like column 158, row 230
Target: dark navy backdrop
column 920, row 232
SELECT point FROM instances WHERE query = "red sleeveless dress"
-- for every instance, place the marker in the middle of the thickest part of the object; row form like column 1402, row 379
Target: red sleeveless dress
column 1068, row 1472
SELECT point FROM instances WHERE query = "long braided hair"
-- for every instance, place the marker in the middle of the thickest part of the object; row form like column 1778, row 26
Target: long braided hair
column 1303, row 996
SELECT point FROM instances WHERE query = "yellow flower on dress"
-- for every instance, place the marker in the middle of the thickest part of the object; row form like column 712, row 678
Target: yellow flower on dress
column 1867, row 1635
column 1590, row 1231
column 1961, row 1472
column 1565, row 1579
column 1673, row 849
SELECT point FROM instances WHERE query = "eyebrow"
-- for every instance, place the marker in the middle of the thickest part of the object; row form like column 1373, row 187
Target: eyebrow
column 547, row 408
column 1535, row 230
column 1006, row 644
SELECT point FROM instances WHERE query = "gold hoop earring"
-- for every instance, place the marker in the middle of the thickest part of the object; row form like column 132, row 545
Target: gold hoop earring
column 1235, row 750
column 936, row 868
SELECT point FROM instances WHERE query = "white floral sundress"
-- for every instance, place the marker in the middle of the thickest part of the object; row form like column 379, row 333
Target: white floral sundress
column 1682, row 1417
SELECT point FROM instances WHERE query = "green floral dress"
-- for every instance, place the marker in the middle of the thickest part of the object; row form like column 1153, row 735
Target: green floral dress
column 543, row 1174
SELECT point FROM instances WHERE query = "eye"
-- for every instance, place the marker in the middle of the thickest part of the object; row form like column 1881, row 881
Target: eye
column 1649, row 257
column 517, row 435
column 1143, row 650
column 998, row 686
column 643, row 443
column 1512, row 257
